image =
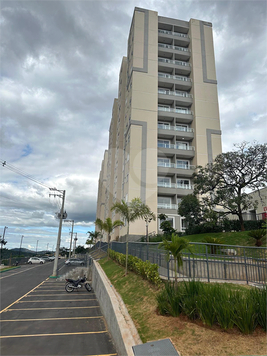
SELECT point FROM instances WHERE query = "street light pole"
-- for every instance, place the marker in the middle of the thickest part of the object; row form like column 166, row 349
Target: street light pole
column 75, row 239
column 72, row 221
column 37, row 246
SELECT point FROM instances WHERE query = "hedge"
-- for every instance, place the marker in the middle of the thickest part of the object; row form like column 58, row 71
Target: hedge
column 145, row 269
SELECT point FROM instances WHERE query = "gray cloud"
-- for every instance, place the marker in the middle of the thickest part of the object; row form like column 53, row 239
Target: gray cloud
column 60, row 62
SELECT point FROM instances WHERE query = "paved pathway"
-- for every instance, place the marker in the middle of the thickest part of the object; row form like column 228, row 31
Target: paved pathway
column 50, row 321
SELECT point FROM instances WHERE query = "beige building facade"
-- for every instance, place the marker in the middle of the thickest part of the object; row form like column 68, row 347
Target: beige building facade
column 165, row 120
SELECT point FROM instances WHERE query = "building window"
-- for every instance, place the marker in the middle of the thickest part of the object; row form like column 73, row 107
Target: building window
column 164, row 162
column 171, row 220
column 164, row 143
column 180, row 127
column 183, row 224
column 164, row 182
column 181, row 145
column 182, row 164
column 183, row 183
column 163, row 125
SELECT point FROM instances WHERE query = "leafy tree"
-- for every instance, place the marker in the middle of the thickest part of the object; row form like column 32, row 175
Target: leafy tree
column 108, row 226
column 190, row 209
column 130, row 212
column 175, row 248
column 224, row 182
column 80, row 249
column 165, row 225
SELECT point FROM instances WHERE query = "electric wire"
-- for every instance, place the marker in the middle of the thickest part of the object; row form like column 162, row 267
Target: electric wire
column 23, row 174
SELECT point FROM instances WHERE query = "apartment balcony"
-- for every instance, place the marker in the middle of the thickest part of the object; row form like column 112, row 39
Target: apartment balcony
column 167, row 81
column 165, row 50
column 181, row 39
column 166, row 169
column 167, row 131
column 167, row 208
column 182, row 98
column 185, row 117
column 174, row 189
column 187, row 152
column 182, row 67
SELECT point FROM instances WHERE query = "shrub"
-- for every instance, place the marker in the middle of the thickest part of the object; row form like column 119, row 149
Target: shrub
column 215, row 303
column 257, row 235
column 145, row 269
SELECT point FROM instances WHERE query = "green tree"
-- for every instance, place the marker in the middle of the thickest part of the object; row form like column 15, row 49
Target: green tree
column 108, row 226
column 100, row 224
column 80, row 249
column 165, row 225
column 130, row 212
column 224, row 182
column 190, row 209
column 174, row 248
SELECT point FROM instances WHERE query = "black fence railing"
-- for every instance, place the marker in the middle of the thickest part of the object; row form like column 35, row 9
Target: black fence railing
column 208, row 261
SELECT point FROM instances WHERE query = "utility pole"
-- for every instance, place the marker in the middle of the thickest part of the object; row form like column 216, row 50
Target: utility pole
column 60, row 195
column 75, row 239
column 20, row 244
column 72, row 221
column 37, row 246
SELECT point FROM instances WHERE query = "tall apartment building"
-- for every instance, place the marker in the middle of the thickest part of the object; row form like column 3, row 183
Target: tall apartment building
column 165, row 120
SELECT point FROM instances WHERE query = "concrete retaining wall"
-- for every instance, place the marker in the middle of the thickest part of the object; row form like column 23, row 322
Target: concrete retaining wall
column 119, row 322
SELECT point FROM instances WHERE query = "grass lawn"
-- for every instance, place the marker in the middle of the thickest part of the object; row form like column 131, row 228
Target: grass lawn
column 240, row 238
column 190, row 338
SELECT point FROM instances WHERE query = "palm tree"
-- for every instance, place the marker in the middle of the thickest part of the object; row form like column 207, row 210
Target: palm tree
column 109, row 226
column 93, row 235
column 131, row 212
column 175, row 248
column 99, row 223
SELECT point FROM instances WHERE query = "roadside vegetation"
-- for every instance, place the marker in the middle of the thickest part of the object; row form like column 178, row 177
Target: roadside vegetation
column 191, row 336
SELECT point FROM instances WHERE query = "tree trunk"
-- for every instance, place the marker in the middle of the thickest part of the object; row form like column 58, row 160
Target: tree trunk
column 126, row 255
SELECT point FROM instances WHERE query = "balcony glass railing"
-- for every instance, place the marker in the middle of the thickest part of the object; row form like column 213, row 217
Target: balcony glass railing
column 179, row 111
column 168, row 206
column 173, row 165
column 174, row 33
column 176, row 77
column 174, row 185
column 177, row 48
column 173, row 61
column 176, row 128
column 176, row 147
column 176, row 93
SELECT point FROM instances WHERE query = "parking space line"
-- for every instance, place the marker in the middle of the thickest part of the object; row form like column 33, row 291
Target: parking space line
column 71, row 318
column 21, row 297
column 55, row 334
column 96, row 306
column 53, row 300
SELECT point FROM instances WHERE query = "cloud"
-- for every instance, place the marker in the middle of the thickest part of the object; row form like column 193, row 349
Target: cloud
column 60, row 63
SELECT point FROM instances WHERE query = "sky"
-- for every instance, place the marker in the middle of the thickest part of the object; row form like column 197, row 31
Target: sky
column 60, row 63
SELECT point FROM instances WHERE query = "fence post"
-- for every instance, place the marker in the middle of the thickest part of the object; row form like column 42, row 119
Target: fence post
column 245, row 260
column 189, row 266
column 168, row 270
column 207, row 263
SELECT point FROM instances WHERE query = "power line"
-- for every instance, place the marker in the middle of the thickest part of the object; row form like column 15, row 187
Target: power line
column 24, row 174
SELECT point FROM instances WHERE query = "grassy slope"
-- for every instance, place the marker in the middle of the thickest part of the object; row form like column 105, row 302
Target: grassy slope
column 240, row 238
column 188, row 337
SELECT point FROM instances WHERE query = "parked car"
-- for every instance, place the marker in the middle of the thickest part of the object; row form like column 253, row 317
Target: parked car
column 74, row 262
column 51, row 258
column 46, row 258
column 36, row 260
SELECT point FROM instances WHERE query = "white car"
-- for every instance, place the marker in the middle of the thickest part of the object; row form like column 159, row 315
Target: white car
column 36, row 260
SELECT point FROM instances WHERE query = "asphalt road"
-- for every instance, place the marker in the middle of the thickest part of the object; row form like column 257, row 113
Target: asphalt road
column 38, row 317
column 15, row 283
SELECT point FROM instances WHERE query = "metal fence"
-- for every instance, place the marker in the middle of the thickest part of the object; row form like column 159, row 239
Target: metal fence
column 208, row 261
